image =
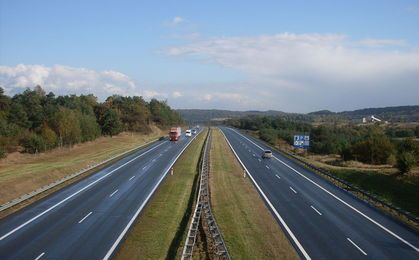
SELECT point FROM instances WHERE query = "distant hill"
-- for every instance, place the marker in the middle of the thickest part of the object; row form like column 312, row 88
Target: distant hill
column 399, row 113
column 391, row 114
column 205, row 115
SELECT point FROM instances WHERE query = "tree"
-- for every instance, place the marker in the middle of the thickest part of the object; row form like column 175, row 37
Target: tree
column 4, row 101
column 49, row 137
column 405, row 162
column 67, row 126
column 18, row 116
column 269, row 135
column 33, row 143
column 375, row 148
column 90, row 129
column 111, row 124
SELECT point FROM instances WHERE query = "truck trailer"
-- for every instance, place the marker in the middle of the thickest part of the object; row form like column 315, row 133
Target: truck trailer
column 174, row 133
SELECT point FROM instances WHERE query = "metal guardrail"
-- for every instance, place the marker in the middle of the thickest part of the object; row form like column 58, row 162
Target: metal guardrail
column 348, row 187
column 40, row 190
column 203, row 212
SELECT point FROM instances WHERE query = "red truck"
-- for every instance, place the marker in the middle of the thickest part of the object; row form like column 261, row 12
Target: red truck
column 174, row 133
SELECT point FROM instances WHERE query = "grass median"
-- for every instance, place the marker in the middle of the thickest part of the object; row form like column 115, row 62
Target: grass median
column 249, row 229
column 160, row 230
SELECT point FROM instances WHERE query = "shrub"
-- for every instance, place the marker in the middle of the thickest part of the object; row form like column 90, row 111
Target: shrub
column 3, row 152
column 33, row 143
column 405, row 162
column 269, row 135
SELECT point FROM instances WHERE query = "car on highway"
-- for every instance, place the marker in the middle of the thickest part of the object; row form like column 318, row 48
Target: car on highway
column 188, row 133
column 193, row 131
column 267, row 154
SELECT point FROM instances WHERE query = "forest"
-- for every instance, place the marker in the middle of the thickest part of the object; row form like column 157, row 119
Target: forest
column 370, row 144
column 34, row 121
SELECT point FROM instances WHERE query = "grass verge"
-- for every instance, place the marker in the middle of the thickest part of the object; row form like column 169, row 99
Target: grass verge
column 249, row 229
column 23, row 173
column 160, row 230
column 402, row 191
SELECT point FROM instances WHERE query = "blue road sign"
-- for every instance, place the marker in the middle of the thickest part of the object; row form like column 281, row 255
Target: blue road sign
column 301, row 141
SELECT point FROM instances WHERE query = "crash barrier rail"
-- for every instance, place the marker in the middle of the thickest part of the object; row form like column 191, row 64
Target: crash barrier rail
column 47, row 187
column 364, row 195
column 203, row 211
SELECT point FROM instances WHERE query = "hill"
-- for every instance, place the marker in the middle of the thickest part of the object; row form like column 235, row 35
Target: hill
column 391, row 114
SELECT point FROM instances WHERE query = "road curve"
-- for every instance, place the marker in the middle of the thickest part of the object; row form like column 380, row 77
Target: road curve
column 88, row 219
column 321, row 220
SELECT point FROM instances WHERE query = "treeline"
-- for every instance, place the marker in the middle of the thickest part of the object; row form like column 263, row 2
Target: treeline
column 369, row 144
column 37, row 121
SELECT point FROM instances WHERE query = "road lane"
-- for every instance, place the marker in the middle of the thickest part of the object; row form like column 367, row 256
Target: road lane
column 52, row 224
column 323, row 235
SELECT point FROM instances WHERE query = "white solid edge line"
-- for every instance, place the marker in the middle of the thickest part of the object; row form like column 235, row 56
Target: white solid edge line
column 41, row 255
column 293, row 190
column 74, row 194
column 339, row 199
column 81, row 220
column 113, row 193
column 355, row 245
column 291, row 234
column 318, row 212
column 121, row 236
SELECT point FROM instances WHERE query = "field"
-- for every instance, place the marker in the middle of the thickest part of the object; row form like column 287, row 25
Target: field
column 23, row 173
column 248, row 227
column 160, row 230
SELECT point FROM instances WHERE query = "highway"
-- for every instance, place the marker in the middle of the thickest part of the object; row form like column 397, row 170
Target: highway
column 321, row 220
column 88, row 219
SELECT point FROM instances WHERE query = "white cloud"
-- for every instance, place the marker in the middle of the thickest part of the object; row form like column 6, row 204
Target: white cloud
column 177, row 94
column 68, row 80
column 177, row 20
column 309, row 71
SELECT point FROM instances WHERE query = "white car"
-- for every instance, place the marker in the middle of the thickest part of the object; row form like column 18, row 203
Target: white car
column 188, row 133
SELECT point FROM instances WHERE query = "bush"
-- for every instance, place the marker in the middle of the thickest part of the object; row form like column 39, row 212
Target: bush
column 269, row 135
column 33, row 143
column 90, row 129
column 405, row 162
column 3, row 152
column 49, row 137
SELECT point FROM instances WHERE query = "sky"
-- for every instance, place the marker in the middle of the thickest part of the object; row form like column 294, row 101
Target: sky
column 294, row 56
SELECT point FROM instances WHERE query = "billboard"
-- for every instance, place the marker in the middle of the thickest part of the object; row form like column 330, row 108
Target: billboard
column 301, row 141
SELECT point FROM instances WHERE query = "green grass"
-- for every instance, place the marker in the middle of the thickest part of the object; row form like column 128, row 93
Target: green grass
column 248, row 227
column 23, row 173
column 160, row 230
column 402, row 191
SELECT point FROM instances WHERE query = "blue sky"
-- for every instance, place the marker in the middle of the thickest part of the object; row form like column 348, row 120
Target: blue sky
column 295, row 56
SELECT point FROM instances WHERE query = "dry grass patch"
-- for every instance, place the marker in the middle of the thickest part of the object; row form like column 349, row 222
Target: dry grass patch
column 159, row 232
column 248, row 227
column 23, row 173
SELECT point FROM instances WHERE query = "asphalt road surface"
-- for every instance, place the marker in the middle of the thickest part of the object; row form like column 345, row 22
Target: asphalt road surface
column 88, row 219
column 321, row 220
